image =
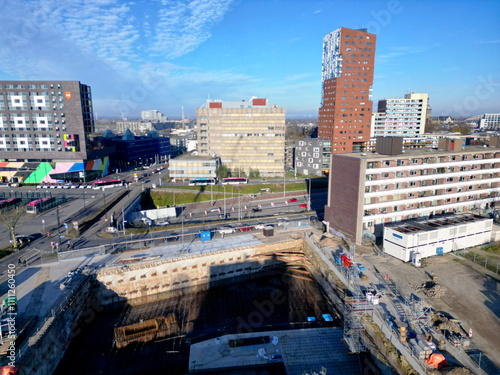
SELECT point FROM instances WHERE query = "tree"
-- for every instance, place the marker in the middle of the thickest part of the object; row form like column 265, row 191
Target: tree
column 237, row 172
column 254, row 173
column 222, row 172
column 11, row 219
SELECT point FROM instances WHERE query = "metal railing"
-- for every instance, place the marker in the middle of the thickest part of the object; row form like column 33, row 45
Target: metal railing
column 480, row 259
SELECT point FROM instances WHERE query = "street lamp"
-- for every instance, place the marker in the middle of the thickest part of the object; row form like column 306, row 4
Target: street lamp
column 224, row 187
column 105, row 206
column 309, row 200
column 284, row 184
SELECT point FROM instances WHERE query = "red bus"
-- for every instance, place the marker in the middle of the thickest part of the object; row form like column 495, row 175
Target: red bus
column 9, row 203
column 35, row 207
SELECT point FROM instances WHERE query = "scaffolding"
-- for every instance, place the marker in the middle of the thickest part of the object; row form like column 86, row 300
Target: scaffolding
column 356, row 309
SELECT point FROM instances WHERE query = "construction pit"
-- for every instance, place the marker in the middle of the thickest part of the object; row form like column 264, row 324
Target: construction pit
column 284, row 307
column 151, row 313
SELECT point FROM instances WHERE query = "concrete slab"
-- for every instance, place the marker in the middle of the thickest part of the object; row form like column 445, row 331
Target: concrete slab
column 303, row 350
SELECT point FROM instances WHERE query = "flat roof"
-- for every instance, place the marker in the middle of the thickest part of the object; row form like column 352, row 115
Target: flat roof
column 415, row 226
column 193, row 157
column 299, row 350
column 420, row 152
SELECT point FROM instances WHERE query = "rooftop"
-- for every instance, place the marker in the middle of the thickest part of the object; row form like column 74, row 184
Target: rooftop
column 193, row 157
column 299, row 350
column 421, row 152
column 434, row 224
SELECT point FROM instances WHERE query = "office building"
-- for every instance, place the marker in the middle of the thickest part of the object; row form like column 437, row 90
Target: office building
column 246, row 135
column 44, row 129
column 312, row 156
column 143, row 126
column 404, row 117
column 347, row 79
column 153, row 116
column 490, row 121
column 370, row 190
column 132, row 150
column 193, row 166
column 290, row 155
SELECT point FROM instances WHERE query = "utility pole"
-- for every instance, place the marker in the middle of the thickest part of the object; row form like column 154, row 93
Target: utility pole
column 123, row 222
column 58, row 226
column 284, row 183
column 309, row 200
column 224, row 186
column 105, row 206
column 84, row 198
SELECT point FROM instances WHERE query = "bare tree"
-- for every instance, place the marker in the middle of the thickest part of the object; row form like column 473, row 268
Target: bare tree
column 11, row 219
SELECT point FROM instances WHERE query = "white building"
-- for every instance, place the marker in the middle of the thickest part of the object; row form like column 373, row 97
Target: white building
column 153, row 115
column 405, row 117
column 436, row 236
column 490, row 121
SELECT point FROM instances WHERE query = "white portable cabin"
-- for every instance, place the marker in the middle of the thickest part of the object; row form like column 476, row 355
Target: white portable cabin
column 435, row 236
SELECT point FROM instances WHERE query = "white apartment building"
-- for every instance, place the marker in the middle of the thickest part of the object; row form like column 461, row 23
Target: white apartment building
column 490, row 121
column 246, row 135
column 369, row 190
column 405, row 117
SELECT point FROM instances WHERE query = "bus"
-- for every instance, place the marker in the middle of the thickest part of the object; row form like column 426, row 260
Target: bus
column 234, row 180
column 35, row 207
column 106, row 184
column 202, row 181
column 7, row 204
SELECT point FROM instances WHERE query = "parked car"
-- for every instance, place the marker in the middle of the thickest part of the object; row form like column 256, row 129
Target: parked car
column 161, row 223
column 303, row 205
column 83, row 186
column 281, row 222
column 226, row 230
column 260, row 226
column 245, row 229
column 172, row 237
column 111, row 230
column 256, row 209
column 292, row 200
column 22, row 240
column 74, row 186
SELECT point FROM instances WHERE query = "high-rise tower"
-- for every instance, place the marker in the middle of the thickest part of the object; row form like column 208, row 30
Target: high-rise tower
column 347, row 79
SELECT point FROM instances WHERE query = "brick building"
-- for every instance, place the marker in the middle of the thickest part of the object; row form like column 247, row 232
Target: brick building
column 347, row 79
column 370, row 190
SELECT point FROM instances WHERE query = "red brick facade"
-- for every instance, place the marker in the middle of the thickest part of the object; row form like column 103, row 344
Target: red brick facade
column 346, row 113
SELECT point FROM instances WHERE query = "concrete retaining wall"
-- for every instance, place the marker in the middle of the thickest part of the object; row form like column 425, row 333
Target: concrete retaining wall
column 52, row 340
column 142, row 281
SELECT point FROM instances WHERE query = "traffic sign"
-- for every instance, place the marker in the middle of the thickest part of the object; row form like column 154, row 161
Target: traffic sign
column 43, row 221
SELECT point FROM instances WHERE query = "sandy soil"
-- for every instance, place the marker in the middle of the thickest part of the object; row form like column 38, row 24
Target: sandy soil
column 472, row 293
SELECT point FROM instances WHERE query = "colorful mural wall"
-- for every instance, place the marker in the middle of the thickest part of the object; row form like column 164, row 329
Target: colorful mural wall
column 31, row 173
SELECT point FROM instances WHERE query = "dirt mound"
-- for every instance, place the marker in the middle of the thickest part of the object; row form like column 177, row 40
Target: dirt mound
column 456, row 371
column 441, row 323
column 432, row 289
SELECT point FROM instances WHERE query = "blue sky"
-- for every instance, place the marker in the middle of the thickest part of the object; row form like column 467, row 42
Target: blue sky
column 164, row 54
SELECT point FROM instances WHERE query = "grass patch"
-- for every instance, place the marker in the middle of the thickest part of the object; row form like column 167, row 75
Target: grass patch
column 166, row 198
column 5, row 252
column 495, row 249
column 253, row 188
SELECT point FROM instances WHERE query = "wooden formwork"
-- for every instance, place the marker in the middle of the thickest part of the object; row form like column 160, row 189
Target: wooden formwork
column 145, row 331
